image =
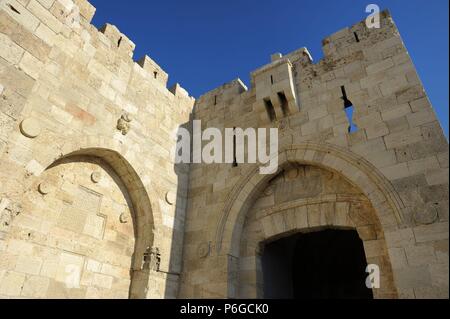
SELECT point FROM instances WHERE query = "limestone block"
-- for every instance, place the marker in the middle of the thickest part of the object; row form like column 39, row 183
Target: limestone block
column 45, row 34
column 45, row 16
column 10, row 51
column 268, row 227
column 367, row 232
column 434, row 232
column 420, row 255
column 279, row 223
column 47, row 4
column 35, row 287
column 301, row 217
column 380, row 66
column 410, row 94
column 377, row 130
column 421, row 118
column 400, row 139
column 374, row 248
column 393, row 85
column 397, row 125
column 29, row 265
column 397, row 171
column 23, row 16
column 439, row 275
column 23, row 37
column 69, row 270
column 398, row 258
column 11, row 284
column 154, row 70
column 400, row 238
column 420, row 104
column 423, row 165
column 289, row 217
column 30, row 65
column 93, row 265
column 413, row 277
column 86, row 9
column 396, row 112
column 437, row 176
column 431, row 293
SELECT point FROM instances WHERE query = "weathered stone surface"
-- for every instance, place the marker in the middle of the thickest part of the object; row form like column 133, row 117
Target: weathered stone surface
column 74, row 104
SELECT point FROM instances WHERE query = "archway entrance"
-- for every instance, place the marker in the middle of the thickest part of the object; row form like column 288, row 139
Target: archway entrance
column 329, row 264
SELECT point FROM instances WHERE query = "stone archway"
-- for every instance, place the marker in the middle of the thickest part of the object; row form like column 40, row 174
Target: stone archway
column 120, row 156
column 114, row 159
column 309, row 200
column 386, row 204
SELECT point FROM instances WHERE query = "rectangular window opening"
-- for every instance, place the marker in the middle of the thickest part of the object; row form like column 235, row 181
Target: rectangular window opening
column 356, row 36
column 270, row 109
column 284, row 103
column 235, row 163
column 13, row 9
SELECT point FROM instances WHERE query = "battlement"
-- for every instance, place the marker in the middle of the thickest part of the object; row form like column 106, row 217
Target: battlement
column 89, row 177
column 359, row 36
column 48, row 19
column 221, row 94
column 280, row 77
column 118, row 39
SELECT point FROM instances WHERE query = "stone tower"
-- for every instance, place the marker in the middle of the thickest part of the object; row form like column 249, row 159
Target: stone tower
column 93, row 204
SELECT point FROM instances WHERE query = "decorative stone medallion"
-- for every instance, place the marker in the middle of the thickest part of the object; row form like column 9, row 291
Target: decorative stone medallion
column 426, row 216
column 30, row 128
column 123, row 218
column 171, row 197
column 45, row 188
column 96, row 177
column 203, row 250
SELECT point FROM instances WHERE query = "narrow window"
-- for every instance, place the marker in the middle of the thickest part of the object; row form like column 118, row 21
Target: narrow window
column 349, row 110
column 284, row 103
column 270, row 110
column 155, row 75
column 13, row 9
column 235, row 163
column 356, row 36
column 271, row 79
column 215, row 99
column 119, row 42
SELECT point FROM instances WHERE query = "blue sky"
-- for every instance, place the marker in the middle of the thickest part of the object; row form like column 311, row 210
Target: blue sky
column 205, row 43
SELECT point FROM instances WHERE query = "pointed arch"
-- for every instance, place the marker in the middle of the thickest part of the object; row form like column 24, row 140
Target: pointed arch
column 358, row 171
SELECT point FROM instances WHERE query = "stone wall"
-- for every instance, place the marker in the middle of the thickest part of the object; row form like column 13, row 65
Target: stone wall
column 397, row 157
column 74, row 103
column 92, row 204
column 309, row 199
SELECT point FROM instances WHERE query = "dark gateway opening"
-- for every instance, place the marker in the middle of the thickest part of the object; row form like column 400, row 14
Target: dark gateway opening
column 329, row 264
